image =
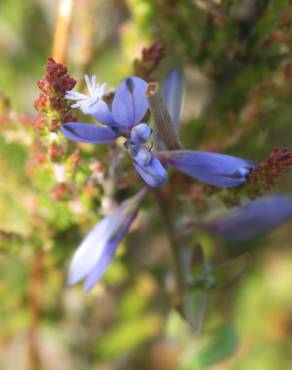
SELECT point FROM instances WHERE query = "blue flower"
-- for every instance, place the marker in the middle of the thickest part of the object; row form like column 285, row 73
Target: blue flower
column 86, row 103
column 210, row 168
column 122, row 118
column 254, row 219
column 97, row 250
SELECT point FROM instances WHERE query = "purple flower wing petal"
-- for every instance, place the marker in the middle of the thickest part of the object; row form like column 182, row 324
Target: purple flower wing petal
column 154, row 174
column 104, row 115
column 99, row 246
column 172, row 92
column 87, row 133
column 254, row 219
column 140, row 134
column 210, row 168
column 106, row 258
column 130, row 103
column 97, row 272
column 94, row 248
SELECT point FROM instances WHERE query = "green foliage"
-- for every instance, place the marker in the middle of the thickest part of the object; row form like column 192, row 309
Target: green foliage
column 222, row 343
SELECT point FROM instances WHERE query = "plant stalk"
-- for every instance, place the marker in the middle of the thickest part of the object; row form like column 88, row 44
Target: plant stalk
column 62, row 29
column 167, row 132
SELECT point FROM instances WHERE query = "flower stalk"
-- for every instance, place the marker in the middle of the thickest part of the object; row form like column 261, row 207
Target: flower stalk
column 163, row 122
column 168, row 135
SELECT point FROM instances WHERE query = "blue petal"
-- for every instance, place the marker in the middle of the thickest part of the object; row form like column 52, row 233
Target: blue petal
column 130, row 103
column 106, row 258
column 172, row 92
column 102, row 265
column 88, row 133
column 94, row 248
column 154, row 174
column 141, row 156
column 254, row 219
column 99, row 246
column 140, row 134
column 104, row 115
column 210, row 168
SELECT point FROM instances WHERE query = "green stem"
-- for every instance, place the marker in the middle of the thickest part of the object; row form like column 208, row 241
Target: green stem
column 168, row 135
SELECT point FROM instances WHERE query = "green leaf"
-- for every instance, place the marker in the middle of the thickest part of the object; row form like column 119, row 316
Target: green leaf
column 222, row 343
column 194, row 307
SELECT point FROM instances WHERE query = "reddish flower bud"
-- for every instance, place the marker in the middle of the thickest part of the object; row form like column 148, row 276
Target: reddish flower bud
column 24, row 119
column 287, row 71
column 54, row 86
column 41, row 103
column 54, row 69
column 70, row 117
column 40, row 158
column 44, row 85
column 54, row 124
column 38, row 122
column 55, row 152
column 64, row 84
column 56, row 103
column 155, row 52
column 61, row 192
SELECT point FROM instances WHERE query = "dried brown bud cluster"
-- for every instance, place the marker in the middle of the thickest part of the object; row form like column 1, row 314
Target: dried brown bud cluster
column 51, row 102
column 150, row 59
column 262, row 178
column 264, row 175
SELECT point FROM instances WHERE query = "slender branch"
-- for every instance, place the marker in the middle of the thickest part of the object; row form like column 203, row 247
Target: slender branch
column 62, row 28
column 34, row 298
column 168, row 135
column 172, row 239
column 163, row 122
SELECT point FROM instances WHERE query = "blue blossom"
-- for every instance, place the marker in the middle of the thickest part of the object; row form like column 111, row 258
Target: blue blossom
column 88, row 104
column 210, row 168
column 254, row 219
column 122, row 118
column 97, row 250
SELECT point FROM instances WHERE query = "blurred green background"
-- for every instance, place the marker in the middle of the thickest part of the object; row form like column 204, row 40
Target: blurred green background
column 236, row 59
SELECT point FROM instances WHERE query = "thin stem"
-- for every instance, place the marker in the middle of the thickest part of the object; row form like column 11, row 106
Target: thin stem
column 168, row 135
column 163, row 122
column 62, row 28
column 172, row 239
column 34, row 298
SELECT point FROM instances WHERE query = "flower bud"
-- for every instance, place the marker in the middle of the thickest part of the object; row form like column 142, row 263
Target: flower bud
column 140, row 134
